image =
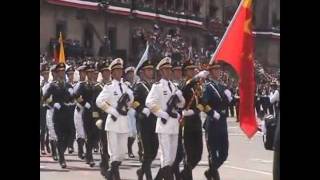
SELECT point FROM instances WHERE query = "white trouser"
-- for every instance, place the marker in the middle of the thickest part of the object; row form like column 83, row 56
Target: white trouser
column 50, row 125
column 117, row 145
column 78, row 123
column 132, row 123
column 168, row 148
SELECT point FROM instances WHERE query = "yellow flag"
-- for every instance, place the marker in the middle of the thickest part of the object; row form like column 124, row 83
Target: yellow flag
column 61, row 52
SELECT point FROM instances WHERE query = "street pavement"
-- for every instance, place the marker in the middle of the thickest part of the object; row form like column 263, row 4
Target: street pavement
column 247, row 160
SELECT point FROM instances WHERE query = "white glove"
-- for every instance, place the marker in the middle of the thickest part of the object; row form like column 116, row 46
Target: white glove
column 57, row 106
column 202, row 74
column 99, row 124
column 146, row 111
column 87, row 105
column 113, row 111
column 162, row 114
column 216, row 115
column 179, row 116
column 186, row 113
column 70, row 90
column 227, row 92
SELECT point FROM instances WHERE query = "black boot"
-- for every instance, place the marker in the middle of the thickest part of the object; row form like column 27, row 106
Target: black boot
column 160, row 174
column 140, row 174
column 54, row 150
column 89, row 157
column 215, row 174
column 115, row 170
column 130, row 143
column 48, row 147
column 140, row 150
column 176, row 172
column 186, row 174
column 147, row 170
column 43, row 152
column 61, row 149
column 80, row 142
column 168, row 174
column 208, row 175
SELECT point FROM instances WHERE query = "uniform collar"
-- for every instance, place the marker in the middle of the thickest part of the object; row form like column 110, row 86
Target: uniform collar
column 164, row 81
column 116, row 81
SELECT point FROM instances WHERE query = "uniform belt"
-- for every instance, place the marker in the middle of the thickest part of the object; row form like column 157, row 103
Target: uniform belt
column 69, row 104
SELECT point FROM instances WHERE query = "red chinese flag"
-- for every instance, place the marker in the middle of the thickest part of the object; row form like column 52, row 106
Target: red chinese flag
column 236, row 49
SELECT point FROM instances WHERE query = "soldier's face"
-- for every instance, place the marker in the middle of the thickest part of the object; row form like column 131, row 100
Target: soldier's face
column 70, row 76
column 148, row 73
column 95, row 74
column 82, row 75
column 60, row 74
column 177, row 73
column 90, row 75
column 130, row 75
column 116, row 74
column 190, row 73
column 166, row 73
column 45, row 75
column 215, row 73
column 105, row 74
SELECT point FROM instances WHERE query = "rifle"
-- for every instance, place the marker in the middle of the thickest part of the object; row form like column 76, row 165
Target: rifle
column 122, row 106
column 172, row 105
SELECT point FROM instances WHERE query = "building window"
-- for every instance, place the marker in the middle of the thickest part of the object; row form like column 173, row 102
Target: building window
column 112, row 33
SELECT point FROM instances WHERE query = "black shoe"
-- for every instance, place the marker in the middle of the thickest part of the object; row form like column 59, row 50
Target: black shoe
column 92, row 163
column 207, row 175
column 95, row 150
column 70, row 150
column 109, row 175
column 48, row 148
column 140, row 174
column 131, row 155
column 63, row 164
column 43, row 152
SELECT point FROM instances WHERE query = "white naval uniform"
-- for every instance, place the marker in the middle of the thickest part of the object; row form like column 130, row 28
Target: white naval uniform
column 117, row 131
column 49, row 120
column 77, row 117
column 156, row 101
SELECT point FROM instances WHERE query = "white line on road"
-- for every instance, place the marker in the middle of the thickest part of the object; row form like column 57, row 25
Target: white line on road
column 248, row 170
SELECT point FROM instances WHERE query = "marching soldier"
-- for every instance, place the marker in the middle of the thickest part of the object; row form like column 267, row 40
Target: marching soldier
column 100, row 117
column 61, row 98
column 48, row 103
column 129, row 80
column 216, row 97
column 146, row 121
column 163, row 101
column 84, row 96
column 192, row 129
column 70, row 85
column 95, row 82
column 116, row 99
column 177, row 80
column 44, row 141
column 78, row 122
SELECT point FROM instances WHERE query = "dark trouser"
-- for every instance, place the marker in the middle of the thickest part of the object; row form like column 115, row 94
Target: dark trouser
column 271, row 110
column 92, row 133
column 193, row 147
column 150, row 143
column 276, row 165
column 104, row 165
column 265, row 105
column 179, row 156
column 63, row 130
column 231, row 107
column 217, row 144
column 258, row 106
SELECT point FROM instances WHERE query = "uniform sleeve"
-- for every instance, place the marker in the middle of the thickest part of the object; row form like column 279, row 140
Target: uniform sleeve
column 103, row 98
column 152, row 100
column 274, row 97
